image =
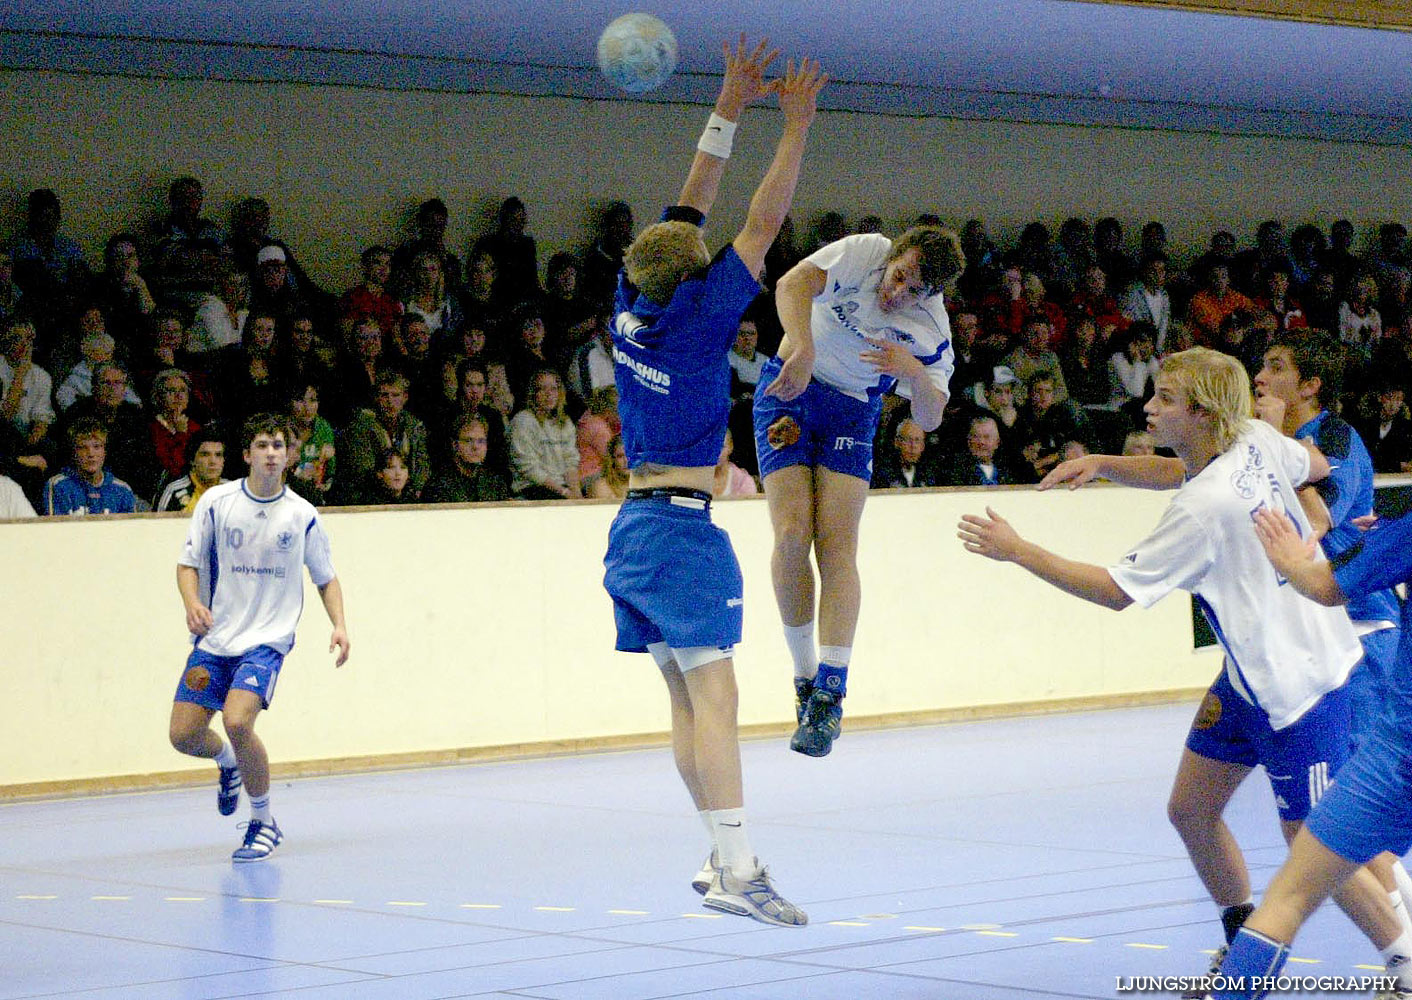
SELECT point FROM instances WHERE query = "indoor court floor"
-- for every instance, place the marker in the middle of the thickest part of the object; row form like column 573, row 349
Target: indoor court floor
column 1019, row 857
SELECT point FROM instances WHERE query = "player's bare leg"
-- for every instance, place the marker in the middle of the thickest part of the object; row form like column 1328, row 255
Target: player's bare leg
column 263, row 835
column 190, row 732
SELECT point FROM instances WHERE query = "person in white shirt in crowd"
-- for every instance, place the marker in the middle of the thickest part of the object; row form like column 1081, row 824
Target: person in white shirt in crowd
column 97, row 348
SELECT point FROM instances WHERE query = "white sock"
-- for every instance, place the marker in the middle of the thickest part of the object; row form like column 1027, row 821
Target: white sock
column 260, row 808
column 705, row 815
column 1404, row 883
column 835, row 656
column 800, row 640
column 1400, row 908
column 226, row 758
column 733, row 842
column 1398, row 959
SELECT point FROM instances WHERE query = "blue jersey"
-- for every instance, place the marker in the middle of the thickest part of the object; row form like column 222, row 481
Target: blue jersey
column 1381, row 559
column 670, row 363
column 1348, row 493
column 69, row 493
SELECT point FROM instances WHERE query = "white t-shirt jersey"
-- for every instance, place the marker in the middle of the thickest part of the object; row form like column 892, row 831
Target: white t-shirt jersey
column 1283, row 652
column 248, row 554
column 847, row 311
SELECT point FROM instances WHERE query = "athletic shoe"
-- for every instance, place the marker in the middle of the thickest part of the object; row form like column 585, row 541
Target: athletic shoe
column 702, row 882
column 755, row 898
column 260, row 841
column 803, row 688
column 1216, row 960
column 1396, row 993
column 823, row 722
column 228, row 790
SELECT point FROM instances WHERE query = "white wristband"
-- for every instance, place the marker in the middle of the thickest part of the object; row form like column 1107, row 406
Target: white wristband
column 716, row 140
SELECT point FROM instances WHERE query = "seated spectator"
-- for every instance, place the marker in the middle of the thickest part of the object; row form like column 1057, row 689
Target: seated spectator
column 431, row 238
column 388, row 482
column 171, row 429
column 371, row 297
column 411, row 355
column 1133, row 368
column 1073, row 256
column 1000, row 403
column 122, row 292
column 10, row 294
column 1210, row 306
column 981, row 465
column 746, row 362
column 467, row 478
column 1032, row 304
column 729, row 479
column 85, row 486
column 1051, row 424
column 357, row 372
column 516, row 258
column 26, row 413
column 315, row 463
column 1249, row 266
column 1084, row 365
column 428, row 296
column 973, row 360
column 473, row 386
column 302, row 356
column 220, row 316
column 544, row 458
column 49, row 267
column 1360, row 325
column 207, row 462
column 1275, row 298
column 250, row 236
column 1092, row 301
column 1321, row 301
column 273, row 288
column 14, row 505
column 1108, row 251
column 603, row 258
column 482, row 304
column 904, row 467
column 388, row 425
column 1395, row 300
column 1307, row 246
column 526, row 354
column 983, row 267
column 610, row 481
column 96, row 349
column 1385, row 426
column 568, row 315
column 1034, row 354
column 191, row 251
column 1139, row 443
column 129, row 443
column 592, row 365
column 1147, row 300
column 596, row 428
column 249, row 379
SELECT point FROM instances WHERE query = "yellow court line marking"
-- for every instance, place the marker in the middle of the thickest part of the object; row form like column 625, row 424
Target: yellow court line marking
column 703, row 916
column 34, row 896
column 404, row 902
column 1372, row 968
column 259, row 899
column 334, row 902
column 555, row 909
column 1150, row 947
column 997, row 934
column 848, row 923
column 480, row 906
column 1304, row 961
column 184, row 899
column 915, row 927
column 628, row 913
column 112, row 898
column 1073, row 940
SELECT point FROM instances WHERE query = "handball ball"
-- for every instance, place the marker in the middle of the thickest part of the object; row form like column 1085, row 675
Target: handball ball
column 637, row 52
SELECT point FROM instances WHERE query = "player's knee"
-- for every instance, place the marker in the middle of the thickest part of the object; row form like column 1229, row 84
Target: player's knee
column 793, row 536
column 1188, row 813
column 238, row 727
column 185, row 738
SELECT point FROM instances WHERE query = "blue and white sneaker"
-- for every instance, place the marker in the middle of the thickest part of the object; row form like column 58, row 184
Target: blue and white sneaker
column 260, row 841
column 754, row 897
column 228, row 790
column 702, row 882
column 803, row 688
column 821, row 725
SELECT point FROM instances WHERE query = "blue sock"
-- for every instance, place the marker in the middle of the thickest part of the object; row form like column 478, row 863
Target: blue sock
column 1253, row 958
column 832, row 679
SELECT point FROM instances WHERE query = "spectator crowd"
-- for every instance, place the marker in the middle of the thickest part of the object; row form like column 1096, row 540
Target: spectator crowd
column 438, row 380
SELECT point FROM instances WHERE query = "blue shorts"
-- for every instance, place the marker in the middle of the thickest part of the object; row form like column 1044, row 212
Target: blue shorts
column 1365, row 812
column 1367, row 685
column 1299, row 760
column 208, row 678
column 820, row 426
column 673, row 576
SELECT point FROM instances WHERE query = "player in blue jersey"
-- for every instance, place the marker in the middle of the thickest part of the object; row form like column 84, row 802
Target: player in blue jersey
column 241, row 582
column 861, row 316
column 1302, row 374
column 675, row 583
column 1366, row 812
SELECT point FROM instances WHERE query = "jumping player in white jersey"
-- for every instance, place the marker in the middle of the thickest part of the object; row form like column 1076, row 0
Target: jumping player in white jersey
column 675, row 583
column 1280, row 700
column 861, row 316
column 241, row 582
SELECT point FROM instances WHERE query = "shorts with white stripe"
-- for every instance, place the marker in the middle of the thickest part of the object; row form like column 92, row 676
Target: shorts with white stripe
column 1300, row 760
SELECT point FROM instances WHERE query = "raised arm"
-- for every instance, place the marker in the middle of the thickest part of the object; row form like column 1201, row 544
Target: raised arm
column 744, row 82
column 1149, row 472
column 993, row 537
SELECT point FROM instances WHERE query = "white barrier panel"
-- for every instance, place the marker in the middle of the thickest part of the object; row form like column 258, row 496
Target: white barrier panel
column 488, row 626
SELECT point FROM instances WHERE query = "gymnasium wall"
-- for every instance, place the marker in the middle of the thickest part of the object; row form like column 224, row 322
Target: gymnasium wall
column 488, row 627
column 344, row 167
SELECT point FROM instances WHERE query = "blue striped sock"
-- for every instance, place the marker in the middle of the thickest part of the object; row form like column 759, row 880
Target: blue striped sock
column 260, row 808
column 1252, row 959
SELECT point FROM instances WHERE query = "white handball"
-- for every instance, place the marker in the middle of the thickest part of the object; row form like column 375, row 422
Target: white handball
column 637, row 52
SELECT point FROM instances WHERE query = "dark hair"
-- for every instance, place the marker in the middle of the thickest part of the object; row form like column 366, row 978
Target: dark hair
column 264, row 423
column 205, row 435
column 509, row 205
column 386, row 455
column 374, row 251
column 1154, row 257
column 117, row 238
column 465, row 420
column 431, row 206
column 941, row 256
column 42, row 198
column 1315, row 355
column 465, row 367
column 87, row 427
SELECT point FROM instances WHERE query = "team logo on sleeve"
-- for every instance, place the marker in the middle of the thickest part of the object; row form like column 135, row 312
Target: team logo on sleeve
column 783, row 433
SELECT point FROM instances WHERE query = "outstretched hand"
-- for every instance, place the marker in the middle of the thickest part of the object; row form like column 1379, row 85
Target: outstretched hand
column 1074, row 473
column 990, row 536
column 798, row 90
column 745, row 76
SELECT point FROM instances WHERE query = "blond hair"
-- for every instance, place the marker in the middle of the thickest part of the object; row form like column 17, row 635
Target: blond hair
column 1216, row 384
column 661, row 255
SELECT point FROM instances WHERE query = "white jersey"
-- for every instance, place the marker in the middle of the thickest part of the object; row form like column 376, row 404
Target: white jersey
column 248, row 554
column 1283, row 652
column 847, row 311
